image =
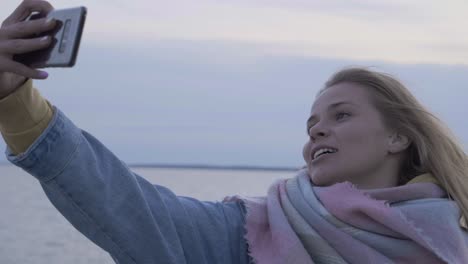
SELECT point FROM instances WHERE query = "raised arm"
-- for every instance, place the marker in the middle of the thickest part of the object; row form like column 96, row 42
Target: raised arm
column 132, row 219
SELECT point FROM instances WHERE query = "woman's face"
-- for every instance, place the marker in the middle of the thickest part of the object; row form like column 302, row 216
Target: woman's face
column 345, row 123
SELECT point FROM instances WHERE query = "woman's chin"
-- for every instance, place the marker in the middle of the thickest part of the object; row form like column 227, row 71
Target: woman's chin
column 316, row 181
column 321, row 179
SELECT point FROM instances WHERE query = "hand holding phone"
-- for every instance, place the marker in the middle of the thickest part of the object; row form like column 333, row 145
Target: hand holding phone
column 13, row 40
column 66, row 37
column 22, row 37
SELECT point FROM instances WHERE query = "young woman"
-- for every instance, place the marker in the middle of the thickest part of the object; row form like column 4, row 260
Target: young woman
column 385, row 182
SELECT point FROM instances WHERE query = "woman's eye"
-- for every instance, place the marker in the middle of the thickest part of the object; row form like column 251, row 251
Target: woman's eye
column 341, row 115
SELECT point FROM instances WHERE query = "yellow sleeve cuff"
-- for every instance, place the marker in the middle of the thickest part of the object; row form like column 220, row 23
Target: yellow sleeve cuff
column 426, row 177
column 24, row 115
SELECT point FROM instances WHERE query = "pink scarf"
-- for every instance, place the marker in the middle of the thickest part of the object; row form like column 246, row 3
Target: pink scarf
column 300, row 223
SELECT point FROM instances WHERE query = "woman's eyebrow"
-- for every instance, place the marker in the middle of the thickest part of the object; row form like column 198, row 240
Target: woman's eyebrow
column 312, row 118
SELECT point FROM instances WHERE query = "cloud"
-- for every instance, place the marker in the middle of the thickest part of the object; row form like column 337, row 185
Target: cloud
column 211, row 103
column 204, row 82
column 329, row 31
column 394, row 31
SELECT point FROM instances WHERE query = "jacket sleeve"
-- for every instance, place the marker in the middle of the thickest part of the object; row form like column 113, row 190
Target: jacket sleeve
column 132, row 219
column 24, row 115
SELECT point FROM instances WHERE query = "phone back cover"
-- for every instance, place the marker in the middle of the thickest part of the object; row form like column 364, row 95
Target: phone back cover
column 65, row 45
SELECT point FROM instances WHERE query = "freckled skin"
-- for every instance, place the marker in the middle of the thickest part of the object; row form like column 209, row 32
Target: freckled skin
column 360, row 135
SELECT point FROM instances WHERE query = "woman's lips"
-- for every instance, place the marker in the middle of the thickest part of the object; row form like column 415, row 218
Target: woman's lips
column 322, row 157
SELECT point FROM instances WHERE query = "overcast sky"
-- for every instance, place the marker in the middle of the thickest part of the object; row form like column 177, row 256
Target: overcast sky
column 232, row 82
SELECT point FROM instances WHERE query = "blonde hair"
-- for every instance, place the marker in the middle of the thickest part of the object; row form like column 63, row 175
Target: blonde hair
column 433, row 149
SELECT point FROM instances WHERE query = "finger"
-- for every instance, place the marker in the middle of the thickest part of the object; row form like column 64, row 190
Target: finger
column 26, row 8
column 21, row 69
column 27, row 28
column 19, row 46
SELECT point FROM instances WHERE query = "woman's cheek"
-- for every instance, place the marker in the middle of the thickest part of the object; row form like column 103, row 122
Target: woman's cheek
column 306, row 152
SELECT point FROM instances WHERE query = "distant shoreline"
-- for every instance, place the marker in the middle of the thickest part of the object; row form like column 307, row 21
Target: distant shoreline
column 212, row 167
column 200, row 167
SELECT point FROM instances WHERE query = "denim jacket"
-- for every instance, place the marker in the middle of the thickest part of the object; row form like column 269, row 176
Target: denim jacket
column 124, row 214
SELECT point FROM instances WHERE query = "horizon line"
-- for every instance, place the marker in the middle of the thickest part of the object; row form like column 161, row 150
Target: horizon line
column 199, row 166
column 213, row 167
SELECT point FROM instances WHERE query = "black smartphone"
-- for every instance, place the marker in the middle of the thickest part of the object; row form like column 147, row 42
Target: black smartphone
column 66, row 38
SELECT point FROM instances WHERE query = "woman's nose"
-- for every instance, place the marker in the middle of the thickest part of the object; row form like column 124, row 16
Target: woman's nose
column 318, row 131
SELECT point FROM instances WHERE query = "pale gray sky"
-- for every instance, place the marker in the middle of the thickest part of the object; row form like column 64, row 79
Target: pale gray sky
column 417, row 31
column 224, row 82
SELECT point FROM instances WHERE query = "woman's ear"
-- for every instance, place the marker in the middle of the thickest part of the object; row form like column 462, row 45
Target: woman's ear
column 398, row 142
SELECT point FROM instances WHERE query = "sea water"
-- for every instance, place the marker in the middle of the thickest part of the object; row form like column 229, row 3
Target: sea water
column 33, row 231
